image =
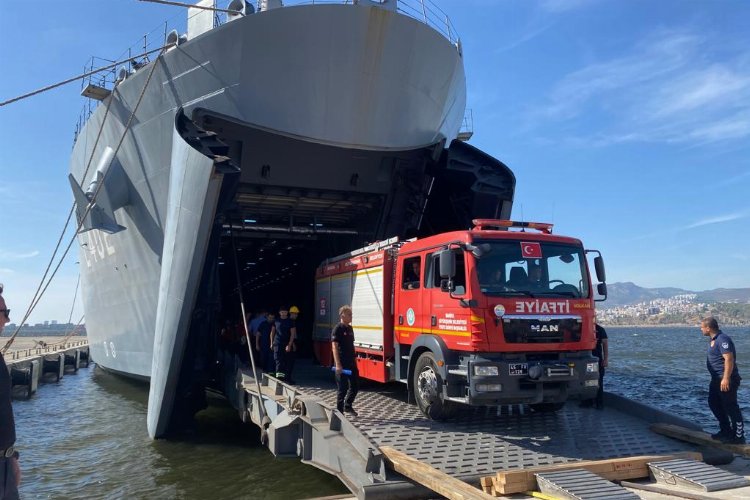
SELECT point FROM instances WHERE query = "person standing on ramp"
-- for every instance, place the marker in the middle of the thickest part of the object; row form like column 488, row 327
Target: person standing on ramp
column 345, row 363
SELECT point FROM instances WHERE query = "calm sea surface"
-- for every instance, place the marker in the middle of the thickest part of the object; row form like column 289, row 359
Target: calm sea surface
column 86, row 436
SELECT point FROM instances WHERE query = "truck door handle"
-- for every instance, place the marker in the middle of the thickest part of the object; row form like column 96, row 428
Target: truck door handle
column 433, row 321
column 400, row 319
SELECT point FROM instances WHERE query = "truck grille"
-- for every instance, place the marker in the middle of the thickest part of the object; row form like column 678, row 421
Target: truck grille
column 541, row 330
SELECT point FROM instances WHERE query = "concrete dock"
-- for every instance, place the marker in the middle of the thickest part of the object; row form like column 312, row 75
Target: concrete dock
column 32, row 361
column 478, row 442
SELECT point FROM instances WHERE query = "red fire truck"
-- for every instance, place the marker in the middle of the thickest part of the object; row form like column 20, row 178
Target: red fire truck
column 502, row 313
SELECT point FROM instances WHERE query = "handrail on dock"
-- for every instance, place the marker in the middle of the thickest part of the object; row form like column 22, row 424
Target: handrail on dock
column 40, row 351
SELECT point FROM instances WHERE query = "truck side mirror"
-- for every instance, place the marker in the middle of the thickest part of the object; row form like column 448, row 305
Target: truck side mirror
column 447, row 285
column 601, row 289
column 480, row 250
column 447, row 264
column 601, row 275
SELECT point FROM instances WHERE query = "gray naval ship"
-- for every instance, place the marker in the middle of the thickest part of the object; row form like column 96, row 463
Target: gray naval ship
column 266, row 138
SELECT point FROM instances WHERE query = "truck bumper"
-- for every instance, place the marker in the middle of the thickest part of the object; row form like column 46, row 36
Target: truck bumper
column 498, row 379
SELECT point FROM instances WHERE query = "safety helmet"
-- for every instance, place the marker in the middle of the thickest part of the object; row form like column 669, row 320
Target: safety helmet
column 294, row 309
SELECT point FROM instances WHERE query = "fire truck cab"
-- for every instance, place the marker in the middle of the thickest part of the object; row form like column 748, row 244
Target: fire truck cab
column 486, row 316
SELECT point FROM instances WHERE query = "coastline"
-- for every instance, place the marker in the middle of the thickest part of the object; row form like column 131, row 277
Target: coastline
column 666, row 325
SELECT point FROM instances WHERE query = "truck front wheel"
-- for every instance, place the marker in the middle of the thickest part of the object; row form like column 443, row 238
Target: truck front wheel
column 428, row 389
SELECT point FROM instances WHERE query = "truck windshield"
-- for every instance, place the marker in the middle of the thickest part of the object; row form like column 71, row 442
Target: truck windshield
column 533, row 269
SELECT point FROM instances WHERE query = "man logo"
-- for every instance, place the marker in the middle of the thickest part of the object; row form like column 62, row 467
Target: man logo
column 725, row 345
column 545, row 328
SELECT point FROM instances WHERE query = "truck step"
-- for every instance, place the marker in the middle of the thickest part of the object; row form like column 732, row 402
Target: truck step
column 695, row 475
column 580, row 484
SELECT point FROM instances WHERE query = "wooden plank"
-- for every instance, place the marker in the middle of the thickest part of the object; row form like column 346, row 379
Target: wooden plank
column 520, row 480
column 698, row 437
column 424, row 474
column 671, row 491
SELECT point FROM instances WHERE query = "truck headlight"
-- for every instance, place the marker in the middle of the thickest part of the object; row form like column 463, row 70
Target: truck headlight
column 592, row 367
column 486, row 371
column 491, row 387
column 594, row 382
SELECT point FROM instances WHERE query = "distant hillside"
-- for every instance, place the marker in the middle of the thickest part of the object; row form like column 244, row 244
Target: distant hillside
column 622, row 294
column 741, row 295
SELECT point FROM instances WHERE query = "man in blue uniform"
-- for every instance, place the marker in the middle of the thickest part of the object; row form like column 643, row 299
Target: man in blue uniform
column 263, row 333
column 725, row 380
column 10, row 473
column 342, row 344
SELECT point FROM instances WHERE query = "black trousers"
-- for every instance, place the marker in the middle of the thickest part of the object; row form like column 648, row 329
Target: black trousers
column 725, row 408
column 280, row 357
column 348, row 387
column 8, row 490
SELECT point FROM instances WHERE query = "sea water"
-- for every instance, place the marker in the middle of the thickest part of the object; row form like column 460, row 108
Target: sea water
column 85, row 437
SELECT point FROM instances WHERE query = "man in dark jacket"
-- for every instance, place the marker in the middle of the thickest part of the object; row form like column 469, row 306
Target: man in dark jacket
column 721, row 362
column 10, row 472
column 345, row 362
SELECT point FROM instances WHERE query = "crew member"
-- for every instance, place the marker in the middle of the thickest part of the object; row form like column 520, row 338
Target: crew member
column 292, row 355
column 10, row 472
column 601, row 351
column 411, row 275
column 283, row 341
column 721, row 362
column 264, row 340
column 342, row 344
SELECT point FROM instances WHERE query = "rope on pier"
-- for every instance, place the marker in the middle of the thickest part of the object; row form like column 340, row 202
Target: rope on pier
column 90, row 205
column 264, row 420
column 78, row 77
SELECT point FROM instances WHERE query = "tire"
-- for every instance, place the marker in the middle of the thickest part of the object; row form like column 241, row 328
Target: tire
column 547, row 407
column 428, row 389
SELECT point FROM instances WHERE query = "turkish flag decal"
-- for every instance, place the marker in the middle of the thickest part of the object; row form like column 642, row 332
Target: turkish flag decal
column 531, row 250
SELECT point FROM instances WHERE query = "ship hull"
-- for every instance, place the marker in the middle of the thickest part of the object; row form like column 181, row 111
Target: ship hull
column 327, row 125
column 358, row 77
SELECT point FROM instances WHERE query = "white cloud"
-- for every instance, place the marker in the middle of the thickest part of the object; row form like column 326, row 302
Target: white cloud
column 673, row 87
column 716, row 220
column 7, row 255
column 556, row 6
column 530, row 34
column 5, row 270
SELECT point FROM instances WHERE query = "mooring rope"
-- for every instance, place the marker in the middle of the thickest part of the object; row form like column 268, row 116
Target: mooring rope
column 78, row 77
column 88, row 207
column 264, row 418
column 36, row 296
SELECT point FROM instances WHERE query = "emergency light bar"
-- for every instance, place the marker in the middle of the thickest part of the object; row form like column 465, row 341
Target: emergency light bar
column 484, row 224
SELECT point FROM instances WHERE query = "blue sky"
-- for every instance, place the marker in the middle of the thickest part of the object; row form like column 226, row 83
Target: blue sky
column 627, row 124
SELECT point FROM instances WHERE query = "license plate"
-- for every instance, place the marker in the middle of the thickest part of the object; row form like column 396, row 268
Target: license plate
column 518, row 368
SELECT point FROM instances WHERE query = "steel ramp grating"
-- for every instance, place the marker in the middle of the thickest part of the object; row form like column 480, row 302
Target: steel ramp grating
column 695, row 475
column 580, row 484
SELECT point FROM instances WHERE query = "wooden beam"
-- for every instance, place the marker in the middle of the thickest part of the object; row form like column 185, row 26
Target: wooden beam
column 425, row 474
column 615, row 469
column 698, row 437
column 664, row 490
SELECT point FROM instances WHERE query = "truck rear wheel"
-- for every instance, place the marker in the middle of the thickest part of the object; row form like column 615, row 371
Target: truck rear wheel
column 428, row 389
column 547, row 407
